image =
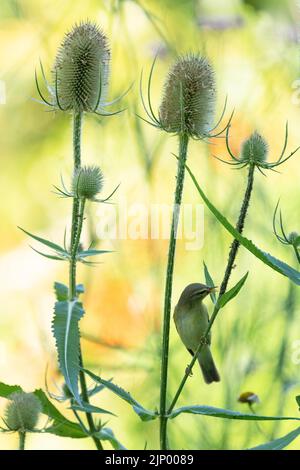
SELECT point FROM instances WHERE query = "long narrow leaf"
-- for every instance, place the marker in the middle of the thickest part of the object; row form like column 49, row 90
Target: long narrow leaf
column 88, row 408
column 210, row 283
column 48, row 243
column 229, row 414
column 231, row 293
column 280, row 443
column 266, row 258
column 144, row 414
column 66, row 332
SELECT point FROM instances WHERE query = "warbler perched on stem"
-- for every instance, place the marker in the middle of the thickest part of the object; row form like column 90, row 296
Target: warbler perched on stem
column 191, row 321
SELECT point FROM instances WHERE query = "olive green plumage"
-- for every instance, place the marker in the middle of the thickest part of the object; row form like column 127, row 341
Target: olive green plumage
column 81, row 69
column 189, row 97
column 191, row 321
column 22, row 411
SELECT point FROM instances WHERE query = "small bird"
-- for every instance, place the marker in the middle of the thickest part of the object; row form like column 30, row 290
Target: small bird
column 191, row 320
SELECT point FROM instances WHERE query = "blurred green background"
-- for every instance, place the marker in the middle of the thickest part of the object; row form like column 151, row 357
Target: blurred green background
column 253, row 47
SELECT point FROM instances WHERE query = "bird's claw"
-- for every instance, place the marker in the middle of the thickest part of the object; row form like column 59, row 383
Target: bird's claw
column 190, row 373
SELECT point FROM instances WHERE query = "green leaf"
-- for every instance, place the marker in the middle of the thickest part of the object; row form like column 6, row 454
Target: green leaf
column 88, row 408
column 53, row 257
column 298, row 400
column 66, row 332
column 86, row 253
column 60, row 426
column 6, row 390
column 210, row 283
column 106, row 434
column 231, row 293
column 52, row 245
column 229, row 414
column 266, row 258
column 280, row 443
column 144, row 414
column 62, row 291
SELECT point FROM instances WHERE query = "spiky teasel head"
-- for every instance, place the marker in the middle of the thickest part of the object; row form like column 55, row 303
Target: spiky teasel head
column 87, row 182
column 81, row 69
column 189, row 97
column 254, row 149
column 294, row 239
column 22, row 411
column 254, row 153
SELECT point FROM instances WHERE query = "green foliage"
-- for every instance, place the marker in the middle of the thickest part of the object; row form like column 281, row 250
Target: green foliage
column 65, row 329
column 106, row 434
column 88, row 408
column 210, row 283
column 231, row 293
column 62, row 291
column 228, row 414
column 280, row 443
column 266, row 258
column 144, row 414
column 61, row 253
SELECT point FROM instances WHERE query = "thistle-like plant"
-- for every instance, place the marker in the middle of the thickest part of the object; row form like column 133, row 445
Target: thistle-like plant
column 21, row 414
column 80, row 84
column 254, row 151
column 186, row 110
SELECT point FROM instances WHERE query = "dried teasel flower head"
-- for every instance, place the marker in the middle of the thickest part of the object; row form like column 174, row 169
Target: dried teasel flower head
column 22, row 411
column 81, row 69
column 87, row 182
column 189, row 97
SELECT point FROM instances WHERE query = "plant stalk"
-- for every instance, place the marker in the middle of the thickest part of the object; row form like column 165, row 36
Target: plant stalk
column 22, row 438
column 183, row 145
column 77, row 221
column 230, row 264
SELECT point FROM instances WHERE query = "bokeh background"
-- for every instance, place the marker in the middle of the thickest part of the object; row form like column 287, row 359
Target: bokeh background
column 253, row 47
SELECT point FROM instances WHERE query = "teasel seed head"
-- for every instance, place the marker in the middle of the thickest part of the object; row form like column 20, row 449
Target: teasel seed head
column 294, row 238
column 81, row 69
column 22, row 411
column 254, row 149
column 87, row 182
column 189, row 97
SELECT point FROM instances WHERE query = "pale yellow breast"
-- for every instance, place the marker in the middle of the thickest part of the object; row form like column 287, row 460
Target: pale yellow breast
column 191, row 325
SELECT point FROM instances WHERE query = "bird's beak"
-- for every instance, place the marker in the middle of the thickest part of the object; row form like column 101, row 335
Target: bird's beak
column 212, row 289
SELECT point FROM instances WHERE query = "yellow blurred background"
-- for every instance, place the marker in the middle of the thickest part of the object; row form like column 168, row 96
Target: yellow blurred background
column 253, row 47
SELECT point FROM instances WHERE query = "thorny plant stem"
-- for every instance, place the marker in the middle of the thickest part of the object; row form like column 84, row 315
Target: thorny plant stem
column 183, row 144
column 230, row 264
column 77, row 221
column 22, row 437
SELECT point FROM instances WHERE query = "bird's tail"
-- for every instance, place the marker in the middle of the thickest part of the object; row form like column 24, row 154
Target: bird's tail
column 207, row 365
